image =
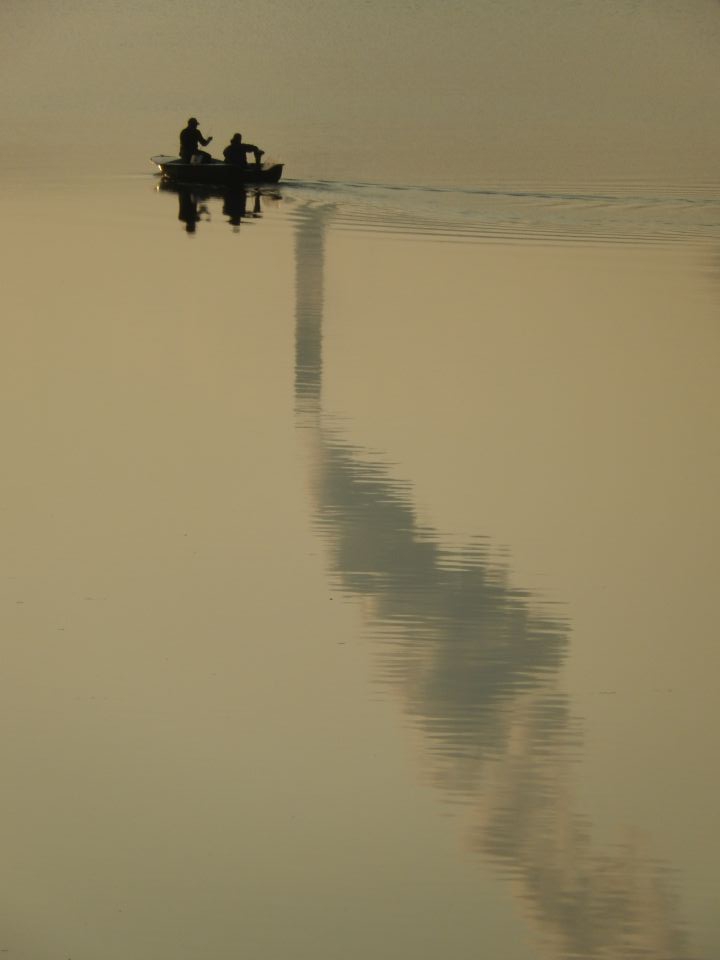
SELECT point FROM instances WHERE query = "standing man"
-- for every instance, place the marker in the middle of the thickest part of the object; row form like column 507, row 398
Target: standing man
column 190, row 141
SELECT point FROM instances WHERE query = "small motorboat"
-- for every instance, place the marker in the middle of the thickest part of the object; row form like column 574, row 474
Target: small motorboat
column 217, row 172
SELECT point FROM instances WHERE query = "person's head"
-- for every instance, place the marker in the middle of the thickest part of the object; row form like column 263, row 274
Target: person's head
column 237, row 138
column 192, row 122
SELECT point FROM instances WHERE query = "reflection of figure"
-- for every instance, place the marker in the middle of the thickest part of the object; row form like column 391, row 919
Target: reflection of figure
column 188, row 210
column 190, row 141
column 236, row 151
column 235, row 206
column 475, row 662
column 193, row 206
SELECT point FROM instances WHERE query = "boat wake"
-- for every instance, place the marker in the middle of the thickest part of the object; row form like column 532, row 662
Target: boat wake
column 630, row 213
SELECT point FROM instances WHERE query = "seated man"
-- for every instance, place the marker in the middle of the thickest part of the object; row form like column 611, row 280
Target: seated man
column 236, row 151
column 190, row 138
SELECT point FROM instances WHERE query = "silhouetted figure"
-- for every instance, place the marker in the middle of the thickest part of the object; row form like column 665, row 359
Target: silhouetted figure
column 190, row 141
column 236, row 151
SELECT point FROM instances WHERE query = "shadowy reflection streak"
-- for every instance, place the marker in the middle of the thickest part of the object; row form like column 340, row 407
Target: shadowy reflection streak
column 476, row 664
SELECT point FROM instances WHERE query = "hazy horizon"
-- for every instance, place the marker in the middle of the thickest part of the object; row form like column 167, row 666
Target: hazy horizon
column 462, row 92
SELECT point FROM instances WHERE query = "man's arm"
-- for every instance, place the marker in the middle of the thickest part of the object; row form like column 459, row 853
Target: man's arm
column 256, row 151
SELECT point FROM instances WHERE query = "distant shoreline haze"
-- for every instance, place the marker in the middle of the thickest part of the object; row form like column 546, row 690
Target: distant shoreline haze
column 408, row 92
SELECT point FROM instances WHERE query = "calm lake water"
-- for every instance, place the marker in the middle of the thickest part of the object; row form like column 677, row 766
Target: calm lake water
column 360, row 570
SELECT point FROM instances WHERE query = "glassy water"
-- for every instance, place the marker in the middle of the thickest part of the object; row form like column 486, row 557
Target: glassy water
column 358, row 592
column 359, row 573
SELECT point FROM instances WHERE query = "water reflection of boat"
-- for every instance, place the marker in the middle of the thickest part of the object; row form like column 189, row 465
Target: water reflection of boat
column 238, row 203
column 216, row 172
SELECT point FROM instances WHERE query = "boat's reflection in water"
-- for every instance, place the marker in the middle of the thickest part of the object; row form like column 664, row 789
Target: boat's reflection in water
column 239, row 204
column 476, row 664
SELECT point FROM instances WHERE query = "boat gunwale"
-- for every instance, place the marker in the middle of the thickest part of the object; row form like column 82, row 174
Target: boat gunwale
column 216, row 172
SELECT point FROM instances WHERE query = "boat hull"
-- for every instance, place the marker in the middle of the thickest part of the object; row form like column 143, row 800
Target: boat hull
column 217, row 173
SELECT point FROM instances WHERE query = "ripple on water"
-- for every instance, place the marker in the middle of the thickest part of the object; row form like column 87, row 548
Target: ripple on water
column 610, row 213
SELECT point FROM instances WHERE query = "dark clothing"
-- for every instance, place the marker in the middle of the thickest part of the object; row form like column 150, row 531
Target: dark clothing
column 190, row 141
column 237, row 153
